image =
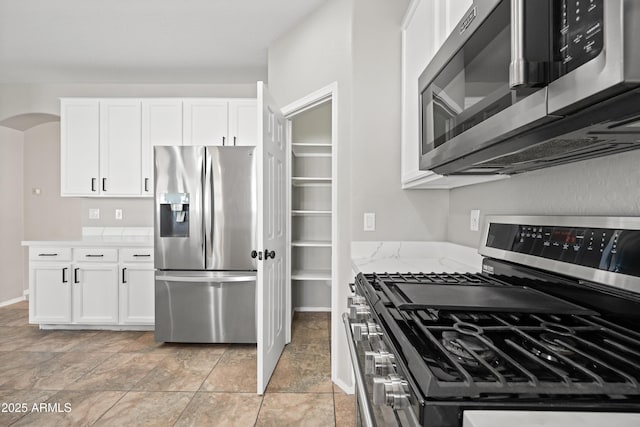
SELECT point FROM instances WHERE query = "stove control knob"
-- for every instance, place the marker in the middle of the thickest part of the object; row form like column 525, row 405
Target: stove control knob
column 359, row 311
column 366, row 331
column 356, row 299
column 392, row 390
column 378, row 363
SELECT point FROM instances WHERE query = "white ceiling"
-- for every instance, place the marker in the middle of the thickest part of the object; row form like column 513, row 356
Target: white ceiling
column 142, row 41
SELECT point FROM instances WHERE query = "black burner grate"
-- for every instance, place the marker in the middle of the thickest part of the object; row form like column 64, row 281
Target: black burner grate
column 471, row 354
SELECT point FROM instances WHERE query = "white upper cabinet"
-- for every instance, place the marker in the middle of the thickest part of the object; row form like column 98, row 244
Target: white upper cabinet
column 80, row 146
column 107, row 143
column 205, row 121
column 120, row 147
column 243, row 123
column 161, row 125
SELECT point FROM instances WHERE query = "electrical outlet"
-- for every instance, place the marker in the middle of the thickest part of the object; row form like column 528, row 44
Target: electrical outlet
column 118, row 213
column 94, row 213
column 474, row 221
column 369, row 221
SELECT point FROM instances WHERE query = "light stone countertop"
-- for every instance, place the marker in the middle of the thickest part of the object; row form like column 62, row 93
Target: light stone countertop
column 414, row 257
column 103, row 236
column 548, row 419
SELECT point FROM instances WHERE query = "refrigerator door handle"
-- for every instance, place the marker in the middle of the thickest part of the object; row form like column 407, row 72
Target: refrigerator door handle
column 207, row 279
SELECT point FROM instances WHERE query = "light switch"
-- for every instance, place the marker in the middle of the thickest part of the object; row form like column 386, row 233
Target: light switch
column 94, row 213
column 369, row 221
column 118, row 213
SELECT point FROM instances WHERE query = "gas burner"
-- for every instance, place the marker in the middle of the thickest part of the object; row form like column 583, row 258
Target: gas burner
column 553, row 346
column 456, row 341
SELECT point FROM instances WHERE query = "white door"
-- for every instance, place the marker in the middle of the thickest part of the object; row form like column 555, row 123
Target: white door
column 161, row 125
column 80, row 147
column 205, row 122
column 95, row 293
column 120, row 147
column 271, row 292
column 50, row 293
column 243, row 122
column 137, row 294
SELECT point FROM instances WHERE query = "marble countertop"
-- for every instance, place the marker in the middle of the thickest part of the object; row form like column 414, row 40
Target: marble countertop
column 415, row 257
column 103, row 236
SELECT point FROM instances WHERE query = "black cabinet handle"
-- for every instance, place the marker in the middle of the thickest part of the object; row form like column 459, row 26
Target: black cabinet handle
column 142, row 255
column 93, row 184
column 75, row 275
column 224, row 138
column 47, row 254
column 234, row 141
column 104, row 184
column 64, row 276
column 124, row 280
column 94, row 255
column 146, row 185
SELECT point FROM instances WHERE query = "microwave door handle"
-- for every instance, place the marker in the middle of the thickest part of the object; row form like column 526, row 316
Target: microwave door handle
column 518, row 66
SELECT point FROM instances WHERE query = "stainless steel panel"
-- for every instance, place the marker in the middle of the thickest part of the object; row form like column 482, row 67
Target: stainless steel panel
column 205, row 307
column 180, row 170
column 230, row 200
column 617, row 280
column 618, row 63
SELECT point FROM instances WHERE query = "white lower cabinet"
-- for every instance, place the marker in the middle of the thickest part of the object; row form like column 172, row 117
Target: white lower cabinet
column 137, row 292
column 49, row 292
column 96, row 286
column 95, row 294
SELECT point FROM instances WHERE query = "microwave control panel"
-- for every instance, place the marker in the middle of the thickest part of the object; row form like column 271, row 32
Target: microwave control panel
column 578, row 33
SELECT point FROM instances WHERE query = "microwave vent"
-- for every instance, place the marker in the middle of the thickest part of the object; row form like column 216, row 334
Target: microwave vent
column 556, row 151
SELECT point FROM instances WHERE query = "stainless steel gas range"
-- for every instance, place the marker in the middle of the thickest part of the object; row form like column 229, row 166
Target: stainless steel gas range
column 551, row 324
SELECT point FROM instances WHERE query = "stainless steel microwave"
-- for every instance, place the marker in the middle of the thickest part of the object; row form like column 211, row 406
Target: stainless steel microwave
column 525, row 84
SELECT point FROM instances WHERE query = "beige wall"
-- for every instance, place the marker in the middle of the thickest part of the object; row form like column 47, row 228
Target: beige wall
column 375, row 142
column 12, row 281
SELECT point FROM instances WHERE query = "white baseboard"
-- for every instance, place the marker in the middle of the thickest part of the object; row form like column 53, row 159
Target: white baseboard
column 349, row 389
column 12, row 301
column 328, row 309
column 99, row 327
column 25, row 293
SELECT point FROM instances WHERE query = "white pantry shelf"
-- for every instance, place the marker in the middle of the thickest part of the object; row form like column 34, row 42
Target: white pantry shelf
column 310, row 212
column 305, row 181
column 311, row 149
column 311, row 275
column 312, row 243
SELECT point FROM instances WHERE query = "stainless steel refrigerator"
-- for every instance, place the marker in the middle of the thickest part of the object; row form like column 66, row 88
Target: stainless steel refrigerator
column 205, row 229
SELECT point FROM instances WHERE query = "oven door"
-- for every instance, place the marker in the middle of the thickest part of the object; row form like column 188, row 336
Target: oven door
column 487, row 82
column 596, row 51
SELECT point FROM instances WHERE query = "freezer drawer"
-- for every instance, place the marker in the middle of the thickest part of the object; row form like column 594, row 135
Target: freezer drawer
column 205, row 307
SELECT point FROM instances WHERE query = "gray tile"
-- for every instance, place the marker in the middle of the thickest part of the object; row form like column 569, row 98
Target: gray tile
column 222, row 409
column 303, row 368
column 120, row 371
column 184, row 371
column 296, row 409
column 154, row 409
column 73, row 408
column 235, row 372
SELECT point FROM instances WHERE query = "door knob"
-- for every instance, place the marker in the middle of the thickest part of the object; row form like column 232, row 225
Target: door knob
column 269, row 254
column 256, row 254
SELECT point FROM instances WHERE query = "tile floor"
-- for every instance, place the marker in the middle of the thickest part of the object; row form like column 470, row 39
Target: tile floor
column 108, row 378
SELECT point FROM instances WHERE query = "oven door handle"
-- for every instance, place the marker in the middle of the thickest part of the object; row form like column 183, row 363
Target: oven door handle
column 367, row 413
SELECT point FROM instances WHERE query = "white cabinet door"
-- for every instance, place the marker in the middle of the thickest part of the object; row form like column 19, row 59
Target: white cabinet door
column 205, row 122
column 120, row 147
column 161, row 125
column 49, row 293
column 79, row 147
column 137, row 294
column 95, row 293
column 243, row 122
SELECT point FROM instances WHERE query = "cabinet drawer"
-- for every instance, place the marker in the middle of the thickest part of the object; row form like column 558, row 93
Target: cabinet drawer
column 95, row 255
column 136, row 255
column 49, row 253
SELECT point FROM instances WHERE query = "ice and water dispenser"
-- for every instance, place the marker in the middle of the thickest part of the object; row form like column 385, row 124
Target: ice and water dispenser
column 174, row 214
